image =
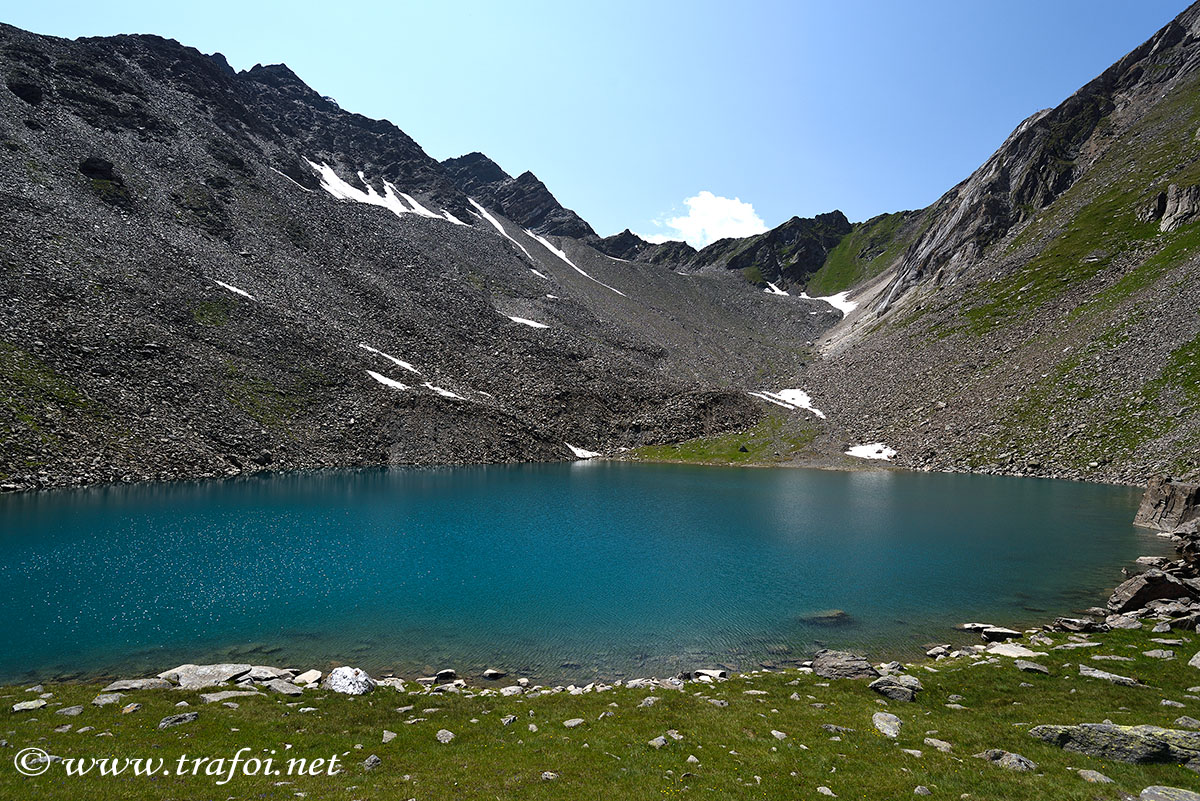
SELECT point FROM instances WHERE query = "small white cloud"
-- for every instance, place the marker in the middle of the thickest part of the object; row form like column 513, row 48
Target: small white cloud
column 710, row 217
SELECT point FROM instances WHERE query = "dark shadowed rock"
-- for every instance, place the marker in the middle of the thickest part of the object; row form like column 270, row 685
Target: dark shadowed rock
column 1153, row 585
column 177, row 720
column 1007, row 759
column 897, row 687
column 1167, row 504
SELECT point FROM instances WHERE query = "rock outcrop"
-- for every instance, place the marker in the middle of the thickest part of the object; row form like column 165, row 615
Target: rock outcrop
column 1167, row 504
column 1134, row 744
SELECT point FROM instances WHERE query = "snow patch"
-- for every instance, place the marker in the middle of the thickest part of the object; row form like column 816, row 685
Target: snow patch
column 581, row 453
column 392, row 359
column 796, row 399
column 452, row 218
column 539, row 274
column 419, row 209
column 530, row 323
column 496, row 224
column 233, row 289
column 445, row 393
column 387, row 382
column 875, row 450
column 774, row 290
column 562, row 255
column 290, row 178
column 838, row 301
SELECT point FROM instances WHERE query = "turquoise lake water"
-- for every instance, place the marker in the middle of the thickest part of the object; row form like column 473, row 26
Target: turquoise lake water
column 558, row 572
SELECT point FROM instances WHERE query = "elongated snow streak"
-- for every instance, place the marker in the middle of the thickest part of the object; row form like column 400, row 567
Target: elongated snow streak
column 837, row 301
column 563, row 256
column 796, row 399
column 530, row 323
column 876, row 450
column 581, row 453
column 452, row 218
column 496, row 224
column 387, row 382
column 419, row 209
column 233, row 289
column 290, row 178
column 445, row 393
column 392, row 359
column 774, row 290
column 614, row 258
column 539, row 274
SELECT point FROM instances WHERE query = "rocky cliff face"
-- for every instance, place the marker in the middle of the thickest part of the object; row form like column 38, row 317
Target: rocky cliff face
column 525, row 200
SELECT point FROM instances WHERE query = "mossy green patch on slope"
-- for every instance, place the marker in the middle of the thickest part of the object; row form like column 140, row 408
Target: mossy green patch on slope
column 775, row 438
column 736, row 749
column 869, row 249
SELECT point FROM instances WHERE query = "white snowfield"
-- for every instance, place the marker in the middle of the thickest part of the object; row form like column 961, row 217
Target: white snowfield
column 838, row 301
column 875, row 450
column 496, row 224
column 562, row 255
column 233, row 289
column 392, row 359
column 539, row 274
column 530, row 323
column 795, row 399
column 452, row 218
column 391, row 199
column 387, row 382
column 581, row 453
column 774, row 290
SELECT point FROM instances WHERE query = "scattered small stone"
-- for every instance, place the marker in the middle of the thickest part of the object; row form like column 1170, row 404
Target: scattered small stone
column 921, row 789
column 1093, row 673
column 372, row 762
column 823, row 790
column 658, row 742
column 549, row 775
column 718, row 702
column 940, row 745
column 573, row 722
column 649, row 700
column 1159, row 653
column 692, row 759
column 129, row 709
column 388, row 736
column 1094, row 777
column 444, row 736
column 491, row 674
column 911, row 752
column 1031, row 667
column 69, row 711
column 1007, row 759
column 177, row 720
column 1169, row 702
column 778, row 735
column 28, row 706
column 104, row 699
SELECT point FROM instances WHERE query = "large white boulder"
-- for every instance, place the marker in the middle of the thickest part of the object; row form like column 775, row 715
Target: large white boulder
column 349, row 680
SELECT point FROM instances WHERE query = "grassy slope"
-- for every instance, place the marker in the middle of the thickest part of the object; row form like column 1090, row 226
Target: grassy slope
column 865, row 252
column 610, row 757
column 776, row 438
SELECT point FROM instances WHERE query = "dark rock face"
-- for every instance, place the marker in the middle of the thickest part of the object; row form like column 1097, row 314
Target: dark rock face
column 525, row 200
column 791, row 252
column 1168, row 504
column 1133, row 744
column 897, row 687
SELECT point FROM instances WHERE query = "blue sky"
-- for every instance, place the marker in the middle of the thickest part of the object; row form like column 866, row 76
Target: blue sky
column 636, row 114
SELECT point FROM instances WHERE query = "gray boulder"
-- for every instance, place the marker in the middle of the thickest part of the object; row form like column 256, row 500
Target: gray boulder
column 1153, row 585
column 887, row 724
column 1031, row 667
column 842, row 665
column 897, row 687
column 177, row 720
column 214, row 698
column 1007, row 759
column 124, row 685
column 1133, row 744
column 349, row 681
column 1093, row 673
column 1160, row 793
column 1167, row 504
column 197, row 677
column 283, row 686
